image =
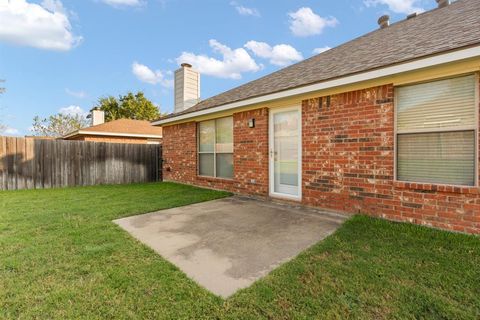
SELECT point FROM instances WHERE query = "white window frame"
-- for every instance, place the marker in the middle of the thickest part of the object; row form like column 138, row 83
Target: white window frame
column 214, row 150
column 474, row 128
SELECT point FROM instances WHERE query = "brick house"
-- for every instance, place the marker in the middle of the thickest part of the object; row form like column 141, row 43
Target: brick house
column 117, row 131
column 384, row 125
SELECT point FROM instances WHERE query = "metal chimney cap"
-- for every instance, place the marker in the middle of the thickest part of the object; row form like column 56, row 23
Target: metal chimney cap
column 412, row 15
column 186, row 65
column 384, row 21
column 443, row 3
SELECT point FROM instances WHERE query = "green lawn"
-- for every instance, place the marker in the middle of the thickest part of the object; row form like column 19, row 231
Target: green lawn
column 62, row 257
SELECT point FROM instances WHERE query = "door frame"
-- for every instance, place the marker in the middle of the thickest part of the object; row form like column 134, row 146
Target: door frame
column 271, row 174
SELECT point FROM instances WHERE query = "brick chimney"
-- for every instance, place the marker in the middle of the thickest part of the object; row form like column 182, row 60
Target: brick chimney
column 98, row 117
column 187, row 87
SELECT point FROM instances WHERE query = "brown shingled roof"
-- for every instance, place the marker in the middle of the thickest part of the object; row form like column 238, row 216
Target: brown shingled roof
column 440, row 30
column 124, row 126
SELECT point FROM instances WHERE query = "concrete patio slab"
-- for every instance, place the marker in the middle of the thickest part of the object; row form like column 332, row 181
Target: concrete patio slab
column 227, row 244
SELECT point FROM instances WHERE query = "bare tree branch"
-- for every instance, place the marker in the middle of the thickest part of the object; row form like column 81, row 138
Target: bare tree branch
column 58, row 125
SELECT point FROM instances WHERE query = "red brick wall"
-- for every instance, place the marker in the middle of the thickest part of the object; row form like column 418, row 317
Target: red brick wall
column 348, row 150
column 180, row 152
column 250, row 161
column 251, row 152
column 348, row 163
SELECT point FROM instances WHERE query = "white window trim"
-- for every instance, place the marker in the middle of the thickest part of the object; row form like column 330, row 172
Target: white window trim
column 475, row 128
column 214, row 150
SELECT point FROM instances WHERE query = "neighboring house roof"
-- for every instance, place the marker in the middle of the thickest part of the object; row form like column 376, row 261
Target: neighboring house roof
column 40, row 137
column 120, row 128
column 437, row 31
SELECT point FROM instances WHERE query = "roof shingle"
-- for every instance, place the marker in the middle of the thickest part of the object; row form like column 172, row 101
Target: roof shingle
column 126, row 126
column 433, row 32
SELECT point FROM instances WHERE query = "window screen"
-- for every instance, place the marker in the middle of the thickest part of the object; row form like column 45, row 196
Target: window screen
column 436, row 130
column 440, row 157
column 215, row 148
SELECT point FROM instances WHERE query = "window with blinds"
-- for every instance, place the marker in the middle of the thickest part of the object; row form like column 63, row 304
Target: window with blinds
column 436, row 131
column 215, row 148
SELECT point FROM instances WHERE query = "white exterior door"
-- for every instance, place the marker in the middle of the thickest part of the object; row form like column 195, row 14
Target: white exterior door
column 285, row 152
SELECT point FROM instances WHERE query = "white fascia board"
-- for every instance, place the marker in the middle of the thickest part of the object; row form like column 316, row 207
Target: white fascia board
column 116, row 134
column 71, row 134
column 360, row 77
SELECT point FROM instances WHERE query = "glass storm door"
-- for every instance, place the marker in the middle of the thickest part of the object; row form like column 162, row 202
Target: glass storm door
column 285, row 152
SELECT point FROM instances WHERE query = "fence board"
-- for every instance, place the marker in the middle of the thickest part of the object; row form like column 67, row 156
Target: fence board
column 11, row 164
column 3, row 164
column 38, row 161
column 27, row 163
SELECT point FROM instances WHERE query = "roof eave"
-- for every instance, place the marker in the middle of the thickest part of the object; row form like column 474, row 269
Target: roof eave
column 426, row 62
column 71, row 134
column 112, row 134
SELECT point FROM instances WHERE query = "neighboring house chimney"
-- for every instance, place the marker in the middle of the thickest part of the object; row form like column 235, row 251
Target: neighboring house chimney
column 98, row 117
column 443, row 3
column 384, row 21
column 187, row 87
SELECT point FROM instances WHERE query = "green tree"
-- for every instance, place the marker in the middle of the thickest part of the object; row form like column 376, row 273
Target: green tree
column 58, row 125
column 129, row 106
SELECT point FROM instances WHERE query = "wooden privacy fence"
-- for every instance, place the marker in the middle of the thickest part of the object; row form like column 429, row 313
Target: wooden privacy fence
column 27, row 163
